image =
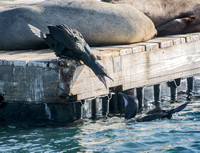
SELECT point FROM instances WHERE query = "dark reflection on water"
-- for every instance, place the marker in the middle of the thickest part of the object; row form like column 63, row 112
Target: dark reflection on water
column 180, row 134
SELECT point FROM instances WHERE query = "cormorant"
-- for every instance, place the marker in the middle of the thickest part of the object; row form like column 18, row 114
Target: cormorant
column 69, row 43
column 157, row 113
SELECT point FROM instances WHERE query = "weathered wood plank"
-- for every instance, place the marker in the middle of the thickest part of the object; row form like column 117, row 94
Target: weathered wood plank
column 149, row 46
column 188, row 37
column 163, row 42
column 39, row 76
column 153, row 66
column 164, row 64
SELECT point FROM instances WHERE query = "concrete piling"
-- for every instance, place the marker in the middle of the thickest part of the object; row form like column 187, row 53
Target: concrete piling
column 190, row 85
column 156, row 91
column 140, row 97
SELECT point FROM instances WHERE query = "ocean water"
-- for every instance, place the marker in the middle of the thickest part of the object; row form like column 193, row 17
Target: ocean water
column 109, row 134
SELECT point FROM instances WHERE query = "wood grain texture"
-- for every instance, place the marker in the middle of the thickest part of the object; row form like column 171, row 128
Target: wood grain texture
column 39, row 76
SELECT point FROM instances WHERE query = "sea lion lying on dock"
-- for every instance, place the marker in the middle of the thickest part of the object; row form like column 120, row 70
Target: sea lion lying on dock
column 99, row 23
column 168, row 16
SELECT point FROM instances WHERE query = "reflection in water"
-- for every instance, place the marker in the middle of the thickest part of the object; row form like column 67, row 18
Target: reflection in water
column 179, row 134
column 112, row 134
column 182, row 133
column 47, row 111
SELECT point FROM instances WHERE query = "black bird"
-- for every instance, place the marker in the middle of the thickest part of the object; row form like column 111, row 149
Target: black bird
column 69, row 43
column 157, row 113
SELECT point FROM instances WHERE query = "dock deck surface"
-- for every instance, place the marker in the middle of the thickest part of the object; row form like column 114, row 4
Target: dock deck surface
column 39, row 76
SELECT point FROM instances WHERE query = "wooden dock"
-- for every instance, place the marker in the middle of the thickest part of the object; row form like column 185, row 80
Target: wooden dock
column 39, row 76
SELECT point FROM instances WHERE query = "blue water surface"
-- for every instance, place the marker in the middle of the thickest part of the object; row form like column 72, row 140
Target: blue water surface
column 112, row 134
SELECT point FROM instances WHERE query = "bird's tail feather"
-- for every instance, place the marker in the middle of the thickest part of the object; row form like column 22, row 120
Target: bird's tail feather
column 37, row 31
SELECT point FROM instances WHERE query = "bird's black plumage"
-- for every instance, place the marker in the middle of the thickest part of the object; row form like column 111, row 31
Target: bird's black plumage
column 157, row 113
column 69, row 43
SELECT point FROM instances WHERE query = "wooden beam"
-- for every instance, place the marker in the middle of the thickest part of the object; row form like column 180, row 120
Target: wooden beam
column 171, row 58
column 39, row 76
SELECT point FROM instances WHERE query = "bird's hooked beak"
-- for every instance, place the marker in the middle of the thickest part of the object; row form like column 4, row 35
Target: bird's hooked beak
column 102, row 79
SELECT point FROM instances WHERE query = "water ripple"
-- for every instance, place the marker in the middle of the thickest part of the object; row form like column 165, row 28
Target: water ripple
column 180, row 134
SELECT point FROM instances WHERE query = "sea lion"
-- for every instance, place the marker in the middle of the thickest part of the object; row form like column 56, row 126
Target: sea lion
column 131, row 107
column 157, row 113
column 166, row 12
column 177, row 26
column 99, row 23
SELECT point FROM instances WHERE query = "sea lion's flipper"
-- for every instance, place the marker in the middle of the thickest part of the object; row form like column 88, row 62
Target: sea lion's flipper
column 161, row 114
column 130, row 106
column 189, row 19
column 178, row 109
column 176, row 26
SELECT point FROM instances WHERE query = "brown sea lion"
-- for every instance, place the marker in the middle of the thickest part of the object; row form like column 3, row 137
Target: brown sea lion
column 171, row 13
column 177, row 26
column 100, row 23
